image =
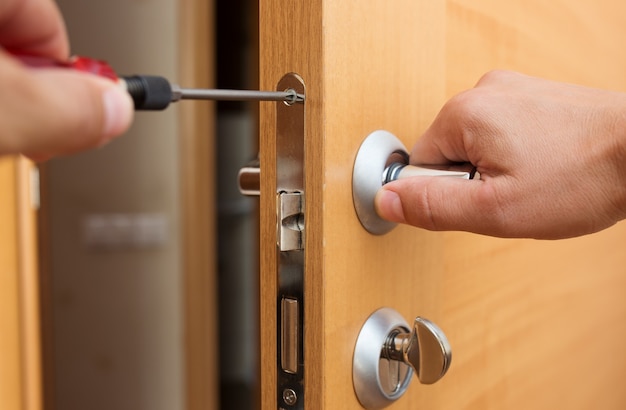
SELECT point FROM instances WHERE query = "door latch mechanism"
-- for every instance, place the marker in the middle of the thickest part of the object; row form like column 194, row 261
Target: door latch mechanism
column 290, row 249
column 290, row 244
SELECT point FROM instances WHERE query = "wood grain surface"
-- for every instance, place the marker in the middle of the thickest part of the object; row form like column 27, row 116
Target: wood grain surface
column 533, row 324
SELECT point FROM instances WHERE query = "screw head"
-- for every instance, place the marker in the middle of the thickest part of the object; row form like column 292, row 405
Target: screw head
column 290, row 397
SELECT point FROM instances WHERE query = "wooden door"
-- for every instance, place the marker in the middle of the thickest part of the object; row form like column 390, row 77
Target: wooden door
column 532, row 324
column 20, row 350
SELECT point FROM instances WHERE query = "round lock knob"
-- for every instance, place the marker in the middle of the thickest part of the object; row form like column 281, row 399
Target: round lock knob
column 387, row 353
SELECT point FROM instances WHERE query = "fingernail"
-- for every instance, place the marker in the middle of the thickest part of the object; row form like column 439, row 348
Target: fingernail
column 118, row 113
column 388, row 206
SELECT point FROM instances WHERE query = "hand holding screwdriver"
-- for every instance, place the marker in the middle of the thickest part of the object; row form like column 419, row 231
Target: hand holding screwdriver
column 44, row 112
column 153, row 92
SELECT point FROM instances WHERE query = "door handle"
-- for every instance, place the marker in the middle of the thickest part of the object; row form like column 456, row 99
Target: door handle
column 388, row 352
column 382, row 158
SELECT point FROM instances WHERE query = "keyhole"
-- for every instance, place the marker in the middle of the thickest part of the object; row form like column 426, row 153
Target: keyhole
column 392, row 375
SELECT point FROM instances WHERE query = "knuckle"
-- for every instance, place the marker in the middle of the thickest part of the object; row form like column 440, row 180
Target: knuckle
column 468, row 108
column 496, row 76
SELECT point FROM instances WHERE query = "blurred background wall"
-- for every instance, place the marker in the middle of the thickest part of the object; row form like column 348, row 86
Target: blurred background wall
column 114, row 217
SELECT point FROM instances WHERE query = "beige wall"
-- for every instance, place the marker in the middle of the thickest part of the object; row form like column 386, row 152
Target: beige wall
column 117, row 313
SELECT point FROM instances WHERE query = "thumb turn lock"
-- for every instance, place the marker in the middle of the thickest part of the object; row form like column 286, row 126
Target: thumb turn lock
column 388, row 352
column 425, row 348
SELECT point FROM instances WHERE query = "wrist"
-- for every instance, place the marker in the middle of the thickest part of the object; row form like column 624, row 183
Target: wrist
column 617, row 154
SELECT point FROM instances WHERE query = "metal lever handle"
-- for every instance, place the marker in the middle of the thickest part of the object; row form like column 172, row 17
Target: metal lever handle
column 399, row 170
column 426, row 349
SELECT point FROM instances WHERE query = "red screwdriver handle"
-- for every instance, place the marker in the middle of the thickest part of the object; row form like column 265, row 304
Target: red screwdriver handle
column 148, row 92
column 85, row 64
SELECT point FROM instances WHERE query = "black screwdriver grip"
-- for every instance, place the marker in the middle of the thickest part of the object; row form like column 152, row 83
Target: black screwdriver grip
column 149, row 92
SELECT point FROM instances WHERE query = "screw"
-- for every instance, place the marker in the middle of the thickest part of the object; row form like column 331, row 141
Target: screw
column 290, row 397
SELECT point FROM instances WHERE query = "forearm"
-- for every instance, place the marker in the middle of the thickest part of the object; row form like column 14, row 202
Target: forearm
column 616, row 156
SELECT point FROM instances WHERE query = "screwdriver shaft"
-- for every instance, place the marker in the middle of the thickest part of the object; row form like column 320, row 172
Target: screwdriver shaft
column 156, row 93
column 289, row 96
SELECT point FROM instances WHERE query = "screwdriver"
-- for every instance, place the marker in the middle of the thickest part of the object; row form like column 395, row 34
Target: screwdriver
column 154, row 92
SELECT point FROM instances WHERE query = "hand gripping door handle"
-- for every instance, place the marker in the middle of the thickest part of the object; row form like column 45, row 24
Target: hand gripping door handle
column 382, row 158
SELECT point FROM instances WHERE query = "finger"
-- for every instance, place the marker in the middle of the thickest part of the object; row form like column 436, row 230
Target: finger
column 445, row 140
column 33, row 26
column 47, row 112
column 439, row 203
column 464, row 118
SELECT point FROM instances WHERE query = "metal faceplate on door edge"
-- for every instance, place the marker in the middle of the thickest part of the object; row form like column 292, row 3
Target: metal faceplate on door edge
column 290, row 205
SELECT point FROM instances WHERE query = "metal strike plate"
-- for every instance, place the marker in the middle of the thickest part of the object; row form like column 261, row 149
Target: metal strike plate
column 290, row 245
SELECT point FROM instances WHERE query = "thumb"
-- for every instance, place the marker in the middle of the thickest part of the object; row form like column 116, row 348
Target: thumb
column 439, row 203
column 48, row 112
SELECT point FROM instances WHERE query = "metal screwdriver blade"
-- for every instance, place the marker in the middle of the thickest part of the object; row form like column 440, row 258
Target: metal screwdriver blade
column 289, row 96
